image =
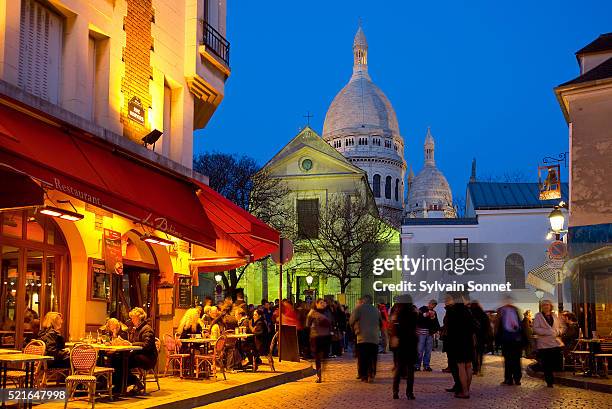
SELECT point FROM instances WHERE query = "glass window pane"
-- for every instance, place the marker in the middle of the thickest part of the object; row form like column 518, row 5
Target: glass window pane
column 8, row 295
column 35, row 228
column 52, row 300
column 31, row 318
column 12, row 223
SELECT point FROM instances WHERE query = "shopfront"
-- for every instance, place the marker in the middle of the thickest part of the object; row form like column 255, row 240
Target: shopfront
column 92, row 230
column 590, row 270
column 34, row 259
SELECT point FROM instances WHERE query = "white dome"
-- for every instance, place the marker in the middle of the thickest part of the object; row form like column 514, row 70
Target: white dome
column 429, row 190
column 360, row 104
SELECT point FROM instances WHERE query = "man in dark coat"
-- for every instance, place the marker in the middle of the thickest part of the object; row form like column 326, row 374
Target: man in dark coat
column 403, row 343
column 510, row 334
column 141, row 335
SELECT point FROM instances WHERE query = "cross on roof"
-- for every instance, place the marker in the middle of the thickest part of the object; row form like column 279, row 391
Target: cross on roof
column 308, row 116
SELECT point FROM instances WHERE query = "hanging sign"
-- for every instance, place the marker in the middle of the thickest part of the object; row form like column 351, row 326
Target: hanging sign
column 113, row 258
column 549, row 182
column 136, row 111
column 286, row 246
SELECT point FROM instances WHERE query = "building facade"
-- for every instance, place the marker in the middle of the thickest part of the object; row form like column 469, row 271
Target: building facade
column 505, row 224
column 361, row 124
column 100, row 209
column 586, row 103
column 314, row 174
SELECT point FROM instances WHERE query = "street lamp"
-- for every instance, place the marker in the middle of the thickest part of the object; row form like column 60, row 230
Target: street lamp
column 309, row 280
column 218, row 278
column 557, row 220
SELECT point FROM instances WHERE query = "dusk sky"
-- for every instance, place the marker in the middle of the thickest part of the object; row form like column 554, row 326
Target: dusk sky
column 481, row 74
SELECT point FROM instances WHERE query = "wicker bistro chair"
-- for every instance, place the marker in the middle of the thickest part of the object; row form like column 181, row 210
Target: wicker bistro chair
column 208, row 362
column 83, row 359
column 18, row 376
column 173, row 356
column 142, row 373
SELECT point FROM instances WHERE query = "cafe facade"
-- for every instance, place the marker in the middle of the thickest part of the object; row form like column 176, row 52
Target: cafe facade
column 100, row 211
column 586, row 103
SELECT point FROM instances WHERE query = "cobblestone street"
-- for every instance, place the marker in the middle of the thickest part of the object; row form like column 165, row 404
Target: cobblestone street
column 340, row 389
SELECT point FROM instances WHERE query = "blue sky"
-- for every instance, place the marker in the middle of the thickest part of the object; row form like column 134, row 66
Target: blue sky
column 480, row 73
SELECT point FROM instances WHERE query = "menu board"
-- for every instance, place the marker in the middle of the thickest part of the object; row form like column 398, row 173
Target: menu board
column 184, row 297
column 100, row 280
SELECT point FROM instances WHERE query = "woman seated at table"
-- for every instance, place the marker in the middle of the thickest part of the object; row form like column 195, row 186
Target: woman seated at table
column 115, row 330
column 141, row 335
column 217, row 324
column 188, row 327
column 54, row 341
column 259, row 329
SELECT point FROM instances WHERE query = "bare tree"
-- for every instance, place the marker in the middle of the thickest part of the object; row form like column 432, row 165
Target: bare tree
column 348, row 228
column 241, row 180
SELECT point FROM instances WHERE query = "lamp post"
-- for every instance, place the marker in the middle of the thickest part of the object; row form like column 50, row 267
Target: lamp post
column 557, row 221
column 309, row 280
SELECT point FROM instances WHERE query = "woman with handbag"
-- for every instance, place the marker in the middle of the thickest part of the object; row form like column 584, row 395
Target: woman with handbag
column 548, row 328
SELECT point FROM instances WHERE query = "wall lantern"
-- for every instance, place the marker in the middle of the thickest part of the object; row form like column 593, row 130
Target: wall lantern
column 149, row 238
column 309, row 280
column 218, row 278
column 60, row 213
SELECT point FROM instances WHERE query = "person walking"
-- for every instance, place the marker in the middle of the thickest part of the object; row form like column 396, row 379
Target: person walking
column 547, row 326
column 511, row 336
column 483, row 335
column 384, row 332
column 460, row 349
column 528, row 329
column 403, row 344
column 367, row 323
column 320, row 322
column 427, row 326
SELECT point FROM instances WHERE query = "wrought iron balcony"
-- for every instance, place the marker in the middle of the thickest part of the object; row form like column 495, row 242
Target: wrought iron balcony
column 215, row 42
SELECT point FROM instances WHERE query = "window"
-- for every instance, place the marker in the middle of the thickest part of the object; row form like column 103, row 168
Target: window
column 308, row 218
column 515, row 270
column 396, row 190
column 388, row 187
column 40, row 50
column 376, row 185
column 460, row 248
column 387, row 144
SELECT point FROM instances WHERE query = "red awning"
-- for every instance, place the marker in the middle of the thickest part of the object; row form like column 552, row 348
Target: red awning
column 252, row 238
column 99, row 173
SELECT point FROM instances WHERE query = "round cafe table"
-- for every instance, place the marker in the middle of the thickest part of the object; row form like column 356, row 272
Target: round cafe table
column 29, row 361
column 194, row 343
column 124, row 350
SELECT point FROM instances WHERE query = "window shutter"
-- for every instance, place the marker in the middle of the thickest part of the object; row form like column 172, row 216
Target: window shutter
column 40, row 42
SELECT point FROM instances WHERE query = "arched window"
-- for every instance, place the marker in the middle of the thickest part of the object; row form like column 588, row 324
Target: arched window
column 376, row 185
column 396, row 190
column 388, row 187
column 515, row 270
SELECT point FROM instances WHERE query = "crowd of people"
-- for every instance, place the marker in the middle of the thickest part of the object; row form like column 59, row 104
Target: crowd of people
column 325, row 329
column 467, row 334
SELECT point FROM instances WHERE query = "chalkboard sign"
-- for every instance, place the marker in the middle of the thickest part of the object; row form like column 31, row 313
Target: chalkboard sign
column 183, row 298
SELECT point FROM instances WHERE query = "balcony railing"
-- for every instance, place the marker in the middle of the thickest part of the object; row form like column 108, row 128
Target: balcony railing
column 215, row 42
